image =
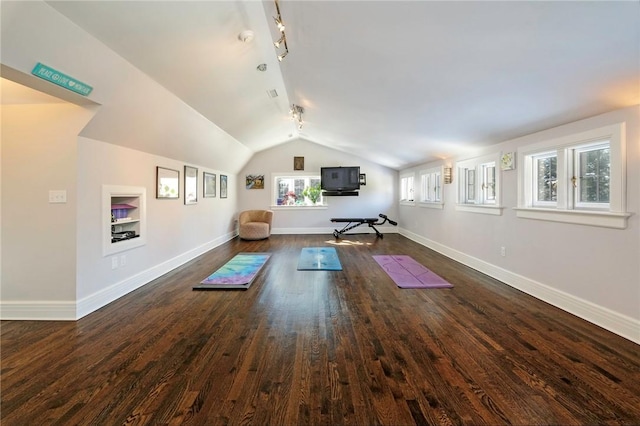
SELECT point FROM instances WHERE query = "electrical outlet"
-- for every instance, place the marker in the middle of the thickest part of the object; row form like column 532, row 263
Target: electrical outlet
column 123, row 260
column 114, row 262
column 503, row 251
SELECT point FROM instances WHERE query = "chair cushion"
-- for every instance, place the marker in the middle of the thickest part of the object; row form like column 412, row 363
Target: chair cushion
column 254, row 231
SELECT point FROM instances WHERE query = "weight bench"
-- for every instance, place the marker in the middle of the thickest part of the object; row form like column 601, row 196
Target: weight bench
column 355, row 222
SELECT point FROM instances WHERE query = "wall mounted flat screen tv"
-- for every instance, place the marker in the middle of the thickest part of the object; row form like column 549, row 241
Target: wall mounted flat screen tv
column 340, row 179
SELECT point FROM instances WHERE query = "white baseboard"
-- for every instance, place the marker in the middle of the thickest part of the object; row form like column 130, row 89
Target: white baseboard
column 69, row 311
column 617, row 323
column 38, row 310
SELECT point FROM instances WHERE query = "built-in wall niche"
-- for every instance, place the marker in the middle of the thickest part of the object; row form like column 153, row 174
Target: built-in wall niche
column 124, row 221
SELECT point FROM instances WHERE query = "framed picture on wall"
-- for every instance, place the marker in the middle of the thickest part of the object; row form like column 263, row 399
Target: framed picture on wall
column 254, row 182
column 209, row 185
column 190, row 185
column 167, row 183
column 223, row 186
column 298, row 163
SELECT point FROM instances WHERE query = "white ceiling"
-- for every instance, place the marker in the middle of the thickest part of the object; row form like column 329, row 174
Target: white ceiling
column 396, row 82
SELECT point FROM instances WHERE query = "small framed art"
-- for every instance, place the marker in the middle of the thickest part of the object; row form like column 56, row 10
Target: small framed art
column 167, row 183
column 254, row 182
column 209, row 185
column 190, row 185
column 223, row 186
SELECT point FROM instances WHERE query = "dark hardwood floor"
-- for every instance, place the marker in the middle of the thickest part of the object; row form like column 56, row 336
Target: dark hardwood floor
column 327, row 347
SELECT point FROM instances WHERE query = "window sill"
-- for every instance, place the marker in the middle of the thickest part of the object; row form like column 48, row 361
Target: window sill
column 438, row 206
column 577, row 217
column 407, row 203
column 479, row 208
column 316, row 207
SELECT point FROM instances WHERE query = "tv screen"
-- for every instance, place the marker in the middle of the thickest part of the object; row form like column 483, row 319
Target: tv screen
column 340, row 178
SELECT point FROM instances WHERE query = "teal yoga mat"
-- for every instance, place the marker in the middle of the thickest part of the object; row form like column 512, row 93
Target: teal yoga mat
column 319, row 259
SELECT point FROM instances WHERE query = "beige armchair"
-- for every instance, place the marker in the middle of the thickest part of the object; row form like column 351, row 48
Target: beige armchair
column 255, row 224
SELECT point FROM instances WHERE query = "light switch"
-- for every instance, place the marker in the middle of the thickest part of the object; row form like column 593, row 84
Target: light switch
column 57, row 196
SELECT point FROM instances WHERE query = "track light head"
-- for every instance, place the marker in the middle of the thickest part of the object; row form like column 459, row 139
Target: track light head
column 279, row 24
column 280, row 41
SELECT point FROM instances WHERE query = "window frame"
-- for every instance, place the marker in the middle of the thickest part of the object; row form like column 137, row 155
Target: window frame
column 535, row 201
column 294, row 175
column 566, row 209
column 411, row 192
column 478, row 200
column 428, row 197
column 576, row 151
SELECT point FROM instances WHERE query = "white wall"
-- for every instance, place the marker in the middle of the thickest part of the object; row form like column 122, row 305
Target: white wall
column 176, row 232
column 39, row 238
column 137, row 126
column 378, row 196
column 590, row 271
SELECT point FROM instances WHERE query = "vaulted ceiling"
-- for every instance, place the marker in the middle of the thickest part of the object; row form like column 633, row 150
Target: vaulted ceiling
column 396, row 82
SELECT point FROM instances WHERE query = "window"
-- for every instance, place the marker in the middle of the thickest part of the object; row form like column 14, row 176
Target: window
column 488, row 188
column 406, row 189
column 431, row 187
column 545, row 180
column 478, row 186
column 591, row 177
column 575, row 179
column 296, row 190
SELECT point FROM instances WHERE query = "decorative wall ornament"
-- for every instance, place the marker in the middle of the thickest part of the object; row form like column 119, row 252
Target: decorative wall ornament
column 508, row 161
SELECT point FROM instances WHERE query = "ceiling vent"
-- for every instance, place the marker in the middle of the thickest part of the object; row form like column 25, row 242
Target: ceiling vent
column 272, row 93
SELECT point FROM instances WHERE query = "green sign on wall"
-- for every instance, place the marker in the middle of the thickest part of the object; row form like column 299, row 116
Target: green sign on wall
column 61, row 79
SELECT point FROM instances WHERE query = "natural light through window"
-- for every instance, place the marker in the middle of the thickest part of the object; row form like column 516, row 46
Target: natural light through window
column 478, row 185
column 431, row 188
column 406, row 189
column 576, row 179
column 296, row 191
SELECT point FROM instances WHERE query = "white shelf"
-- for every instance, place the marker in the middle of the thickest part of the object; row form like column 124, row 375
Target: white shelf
column 115, row 199
column 124, row 220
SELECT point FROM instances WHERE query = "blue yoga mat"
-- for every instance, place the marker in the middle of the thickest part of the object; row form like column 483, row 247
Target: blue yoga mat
column 319, row 259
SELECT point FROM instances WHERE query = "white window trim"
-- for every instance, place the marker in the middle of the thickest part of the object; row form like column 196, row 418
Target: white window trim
column 493, row 208
column 408, row 202
column 432, row 204
column 480, row 208
column 615, row 217
column 275, row 206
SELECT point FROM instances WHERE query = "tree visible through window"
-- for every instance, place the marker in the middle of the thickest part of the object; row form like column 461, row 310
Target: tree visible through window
column 578, row 178
column 546, row 180
column 290, row 190
column 593, row 169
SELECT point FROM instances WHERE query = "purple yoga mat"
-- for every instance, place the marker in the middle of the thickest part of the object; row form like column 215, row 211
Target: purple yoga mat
column 407, row 273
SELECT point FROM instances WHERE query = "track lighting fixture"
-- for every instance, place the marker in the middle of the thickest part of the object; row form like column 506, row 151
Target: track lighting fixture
column 296, row 112
column 282, row 42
